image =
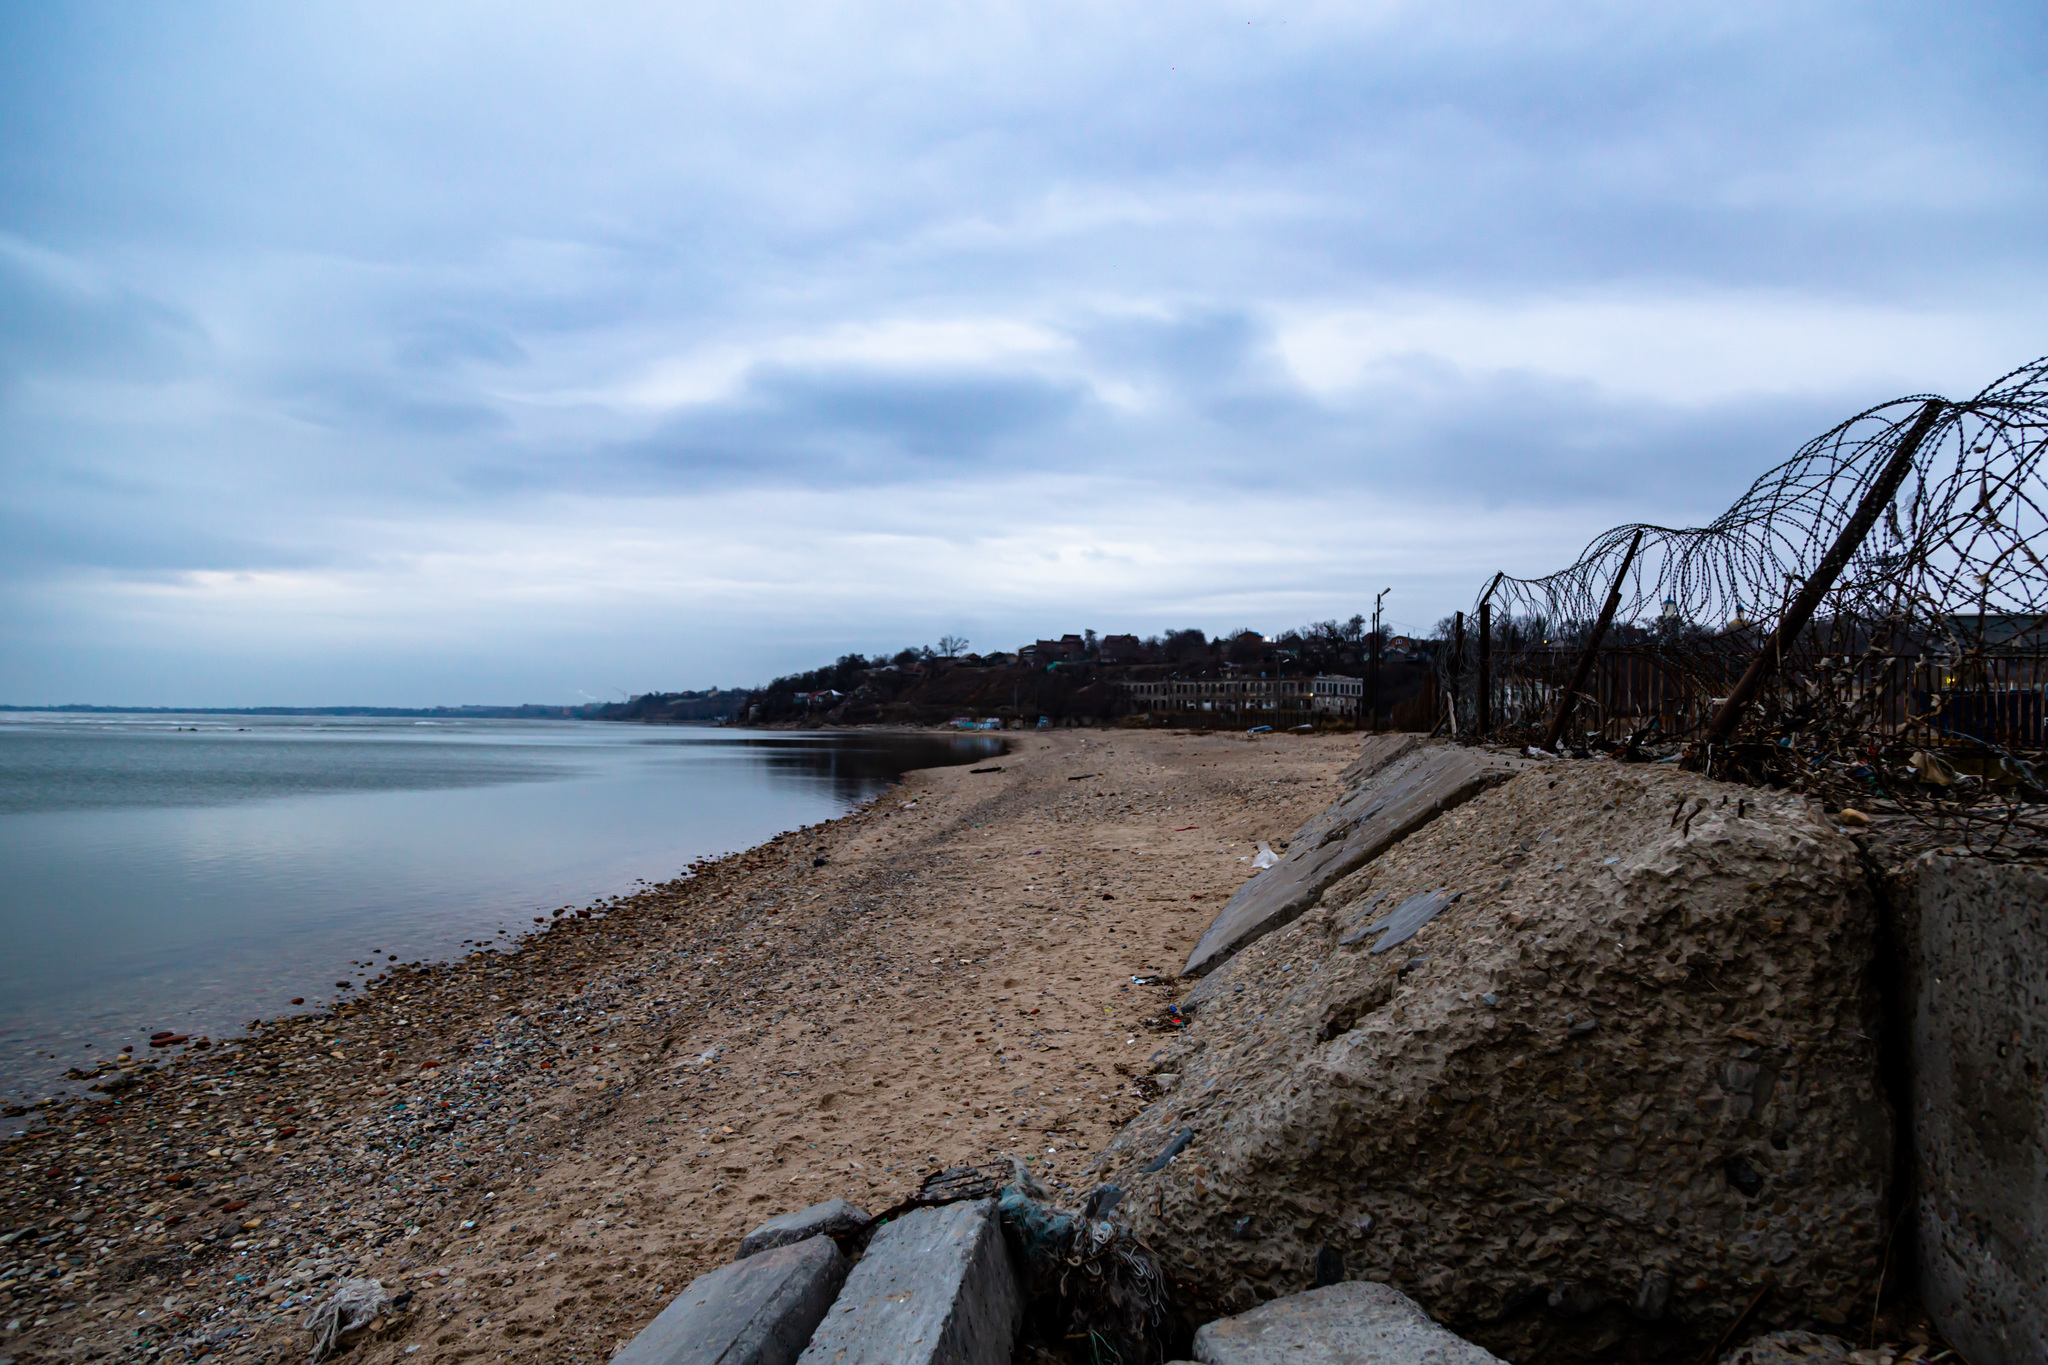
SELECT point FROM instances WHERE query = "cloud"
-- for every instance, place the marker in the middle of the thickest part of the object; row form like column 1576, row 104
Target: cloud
column 833, row 426
column 442, row 343
column 382, row 404
column 60, row 316
column 422, row 347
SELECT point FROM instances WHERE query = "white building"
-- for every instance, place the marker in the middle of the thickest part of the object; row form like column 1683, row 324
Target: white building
column 1229, row 695
column 1337, row 696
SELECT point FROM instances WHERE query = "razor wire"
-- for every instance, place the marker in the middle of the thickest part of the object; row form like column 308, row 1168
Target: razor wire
column 1934, row 635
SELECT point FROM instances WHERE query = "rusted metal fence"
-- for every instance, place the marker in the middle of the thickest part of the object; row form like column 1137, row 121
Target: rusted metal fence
column 1927, row 700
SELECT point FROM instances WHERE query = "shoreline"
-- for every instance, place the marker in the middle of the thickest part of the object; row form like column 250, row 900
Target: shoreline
column 207, row 911
column 541, row 1145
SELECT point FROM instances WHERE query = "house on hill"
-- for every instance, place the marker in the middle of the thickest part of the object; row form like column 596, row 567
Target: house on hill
column 1066, row 649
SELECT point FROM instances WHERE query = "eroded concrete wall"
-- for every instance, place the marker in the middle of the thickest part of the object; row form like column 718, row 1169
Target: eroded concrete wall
column 1976, row 936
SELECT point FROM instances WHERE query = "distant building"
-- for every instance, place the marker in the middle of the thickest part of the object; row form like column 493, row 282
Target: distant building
column 1225, row 695
column 1335, row 695
column 1122, row 649
column 1066, row 649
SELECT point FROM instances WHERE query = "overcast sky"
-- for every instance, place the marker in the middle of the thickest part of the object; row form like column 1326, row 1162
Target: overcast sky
column 426, row 353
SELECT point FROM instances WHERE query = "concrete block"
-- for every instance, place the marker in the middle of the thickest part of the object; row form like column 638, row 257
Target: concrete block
column 759, row 1311
column 936, row 1287
column 1343, row 1324
column 1397, row 799
column 1975, row 936
column 833, row 1218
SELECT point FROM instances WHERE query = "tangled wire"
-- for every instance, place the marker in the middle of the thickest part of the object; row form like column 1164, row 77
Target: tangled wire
column 1098, row 1289
column 1931, row 639
column 1117, row 1293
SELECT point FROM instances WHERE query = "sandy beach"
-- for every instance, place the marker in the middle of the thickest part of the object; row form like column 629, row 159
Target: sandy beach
column 535, row 1149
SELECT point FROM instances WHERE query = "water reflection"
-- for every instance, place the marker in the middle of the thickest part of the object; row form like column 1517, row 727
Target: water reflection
column 194, row 879
column 851, row 764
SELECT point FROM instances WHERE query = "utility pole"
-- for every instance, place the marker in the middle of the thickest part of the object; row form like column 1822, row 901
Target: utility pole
column 1373, row 689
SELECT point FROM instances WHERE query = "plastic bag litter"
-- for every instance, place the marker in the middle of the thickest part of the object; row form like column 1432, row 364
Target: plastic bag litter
column 1266, row 856
column 353, row 1304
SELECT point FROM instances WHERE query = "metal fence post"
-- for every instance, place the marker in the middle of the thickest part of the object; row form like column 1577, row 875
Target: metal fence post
column 1824, row 575
column 1457, row 666
column 1482, row 724
column 1586, row 660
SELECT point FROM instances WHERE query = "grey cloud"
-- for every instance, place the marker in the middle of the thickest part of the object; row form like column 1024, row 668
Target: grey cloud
column 1515, row 439
column 836, row 425
column 133, row 542
column 59, row 316
column 386, row 405
column 387, row 253
column 446, row 342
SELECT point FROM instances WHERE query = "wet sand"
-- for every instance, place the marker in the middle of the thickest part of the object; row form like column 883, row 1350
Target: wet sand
column 541, row 1146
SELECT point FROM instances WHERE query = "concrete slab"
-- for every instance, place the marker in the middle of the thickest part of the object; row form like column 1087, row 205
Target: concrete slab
column 1976, row 940
column 760, row 1311
column 1377, row 752
column 833, row 1218
column 936, row 1287
column 1398, row 798
column 1354, row 1323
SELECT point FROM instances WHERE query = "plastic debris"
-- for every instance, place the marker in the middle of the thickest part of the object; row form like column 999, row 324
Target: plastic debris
column 353, row 1305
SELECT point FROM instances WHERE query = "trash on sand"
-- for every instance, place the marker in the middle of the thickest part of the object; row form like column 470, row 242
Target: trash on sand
column 354, row 1304
column 1266, row 856
column 1173, row 1149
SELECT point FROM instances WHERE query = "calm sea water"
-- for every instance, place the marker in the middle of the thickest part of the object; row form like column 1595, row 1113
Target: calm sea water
column 195, row 872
